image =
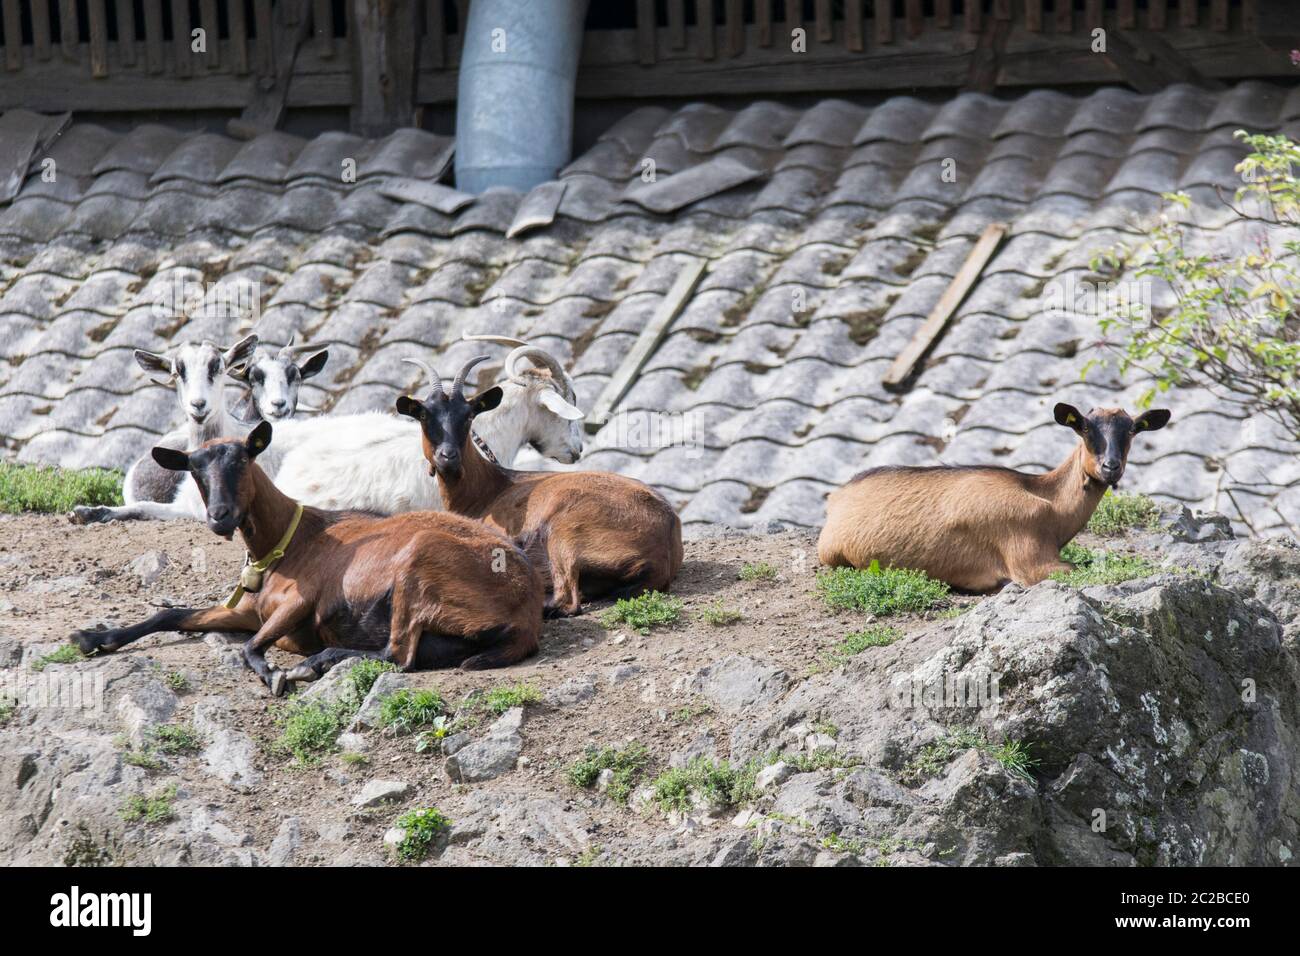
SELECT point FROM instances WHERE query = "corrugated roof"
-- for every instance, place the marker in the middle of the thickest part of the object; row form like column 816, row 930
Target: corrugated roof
column 830, row 233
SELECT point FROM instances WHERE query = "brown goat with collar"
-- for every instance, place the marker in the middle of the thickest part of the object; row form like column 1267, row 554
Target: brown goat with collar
column 420, row 590
column 979, row 527
column 598, row 534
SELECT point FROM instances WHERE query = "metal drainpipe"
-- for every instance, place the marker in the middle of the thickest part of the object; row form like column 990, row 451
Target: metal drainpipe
column 514, row 107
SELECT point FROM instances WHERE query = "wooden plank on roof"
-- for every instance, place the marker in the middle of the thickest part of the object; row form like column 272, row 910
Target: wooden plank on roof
column 41, row 29
column 13, row 20
column 1034, row 16
column 238, row 25
column 181, row 59
column 98, row 23
column 68, row 38
column 1219, row 15
column 1156, row 14
column 704, row 29
column 1187, row 12
column 882, row 15
column 793, row 15
column 825, row 25
column 734, row 27
column 974, row 21
column 763, row 20
column 211, row 24
column 1126, row 15
column 943, row 14
column 677, row 24
column 646, row 343
column 906, row 362
column 914, row 13
column 1064, row 16
column 126, row 31
column 854, row 13
column 283, row 39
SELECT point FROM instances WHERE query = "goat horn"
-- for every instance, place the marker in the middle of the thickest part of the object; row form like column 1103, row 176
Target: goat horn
column 429, row 371
column 540, row 357
column 458, row 386
column 494, row 339
column 298, row 349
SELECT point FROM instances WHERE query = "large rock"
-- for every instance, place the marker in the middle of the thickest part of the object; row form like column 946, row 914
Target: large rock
column 144, row 706
column 735, row 684
column 495, row 754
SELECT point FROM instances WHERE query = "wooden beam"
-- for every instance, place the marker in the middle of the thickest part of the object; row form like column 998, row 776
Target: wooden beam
column 914, row 17
column 704, row 29
column 1092, row 11
column 1157, row 15
column 1219, row 15
column 382, row 36
column 98, row 24
column 825, row 25
column 645, row 32
column 882, row 21
column 435, row 29
column 211, row 24
column 181, row 62
column 41, row 29
column 126, row 31
column 68, row 38
column 793, row 15
column 13, row 20
column 153, row 36
column 284, row 37
column 735, row 27
column 322, row 19
column 238, row 24
column 1126, row 14
column 1064, row 16
column 677, row 24
column 986, row 63
column 264, row 47
column 853, row 16
column 1034, row 15
column 1149, row 64
column 1187, row 12
column 763, row 19
column 974, row 21
column 905, row 364
column 652, row 333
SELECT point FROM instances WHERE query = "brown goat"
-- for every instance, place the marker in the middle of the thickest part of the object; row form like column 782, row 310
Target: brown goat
column 979, row 527
column 420, row 590
column 602, row 535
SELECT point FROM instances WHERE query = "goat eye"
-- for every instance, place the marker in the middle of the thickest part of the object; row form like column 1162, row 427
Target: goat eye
column 258, row 377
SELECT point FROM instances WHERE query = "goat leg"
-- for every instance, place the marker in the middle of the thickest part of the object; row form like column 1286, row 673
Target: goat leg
column 318, row 665
column 242, row 618
column 283, row 620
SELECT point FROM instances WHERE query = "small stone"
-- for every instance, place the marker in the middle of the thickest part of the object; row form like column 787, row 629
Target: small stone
column 287, row 841
column 335, row 685
column 143, row 707
column 378, row 792
column 815, row 743
column 575, row 690
column 622, row 673
column 368, row 715
column 149, row 567
column 769, row 778
column 455, row 742
column 484, row 759
column 604, row 779
column 353, row 743
column 394, row 837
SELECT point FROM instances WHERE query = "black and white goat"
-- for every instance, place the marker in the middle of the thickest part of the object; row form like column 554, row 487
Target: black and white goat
column 271, row 381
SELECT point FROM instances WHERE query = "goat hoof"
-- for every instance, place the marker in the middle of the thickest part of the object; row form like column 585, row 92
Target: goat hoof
column 87, row 514
column 302, row 673
column 278, row 682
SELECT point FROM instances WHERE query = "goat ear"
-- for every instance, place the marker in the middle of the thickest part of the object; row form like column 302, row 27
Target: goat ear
column 240, row 372
column 241, row 351
column 258, row 439
column 1152, row 420
column 171, row 458
column 1069, row 416
column 153, row 364
column 408, row 406
column 314, row 365
column 553, row 402
column 486, row 401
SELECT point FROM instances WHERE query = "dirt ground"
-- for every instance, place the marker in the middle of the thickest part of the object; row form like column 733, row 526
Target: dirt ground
column 55, row 577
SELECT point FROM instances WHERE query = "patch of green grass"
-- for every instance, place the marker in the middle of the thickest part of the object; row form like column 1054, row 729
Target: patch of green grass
column 421, row 828
column 309, row 728
column 821, row 760
column 880, row 591
column 643, row 612
column 407, row 711
column 827, row 728
column 7, row 709
column 498, row 700
column 64, row 655
column 362, row 677
column 175, row 739
column 143, row 759
column 628, row 764
column 760, row 571
column 1117, row 512
column 931, row 759
column 684, row 715
column 177, row 681
column 716, row 783
column 156, row 808
column 52, row 490
column 859, row 641
column 354, row 759
column 590, row 856
column 1101, row 567
column 719, row 616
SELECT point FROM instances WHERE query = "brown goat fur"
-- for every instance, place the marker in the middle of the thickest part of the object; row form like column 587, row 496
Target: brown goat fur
column 979, row 527
column 422, row 589
column 602, row 535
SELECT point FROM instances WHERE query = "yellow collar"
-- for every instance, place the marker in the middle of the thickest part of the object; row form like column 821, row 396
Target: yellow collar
column 255, row 569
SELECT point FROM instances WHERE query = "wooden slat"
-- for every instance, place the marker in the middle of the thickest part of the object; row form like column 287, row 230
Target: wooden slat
column 1126, row 14
column 914, row 16
column 677, row 24
column 211, row 33
column 238, row 24
column 734, row 27
column 853, row 38
column 126, row 32
column 13, row 19
column 925, row 337
column 265, row 110
column 882, row 21
column 1187, row 12
column 383, row 42
column 264, row 43
column 1034, row 16
column 704, row 29
column 1250, row 17
column 322, row 18
column 182, row 64
column 1157, row 15
column 793, row 15
column 1219, row 15
column 974, row 20
column 763, row 21
column 651, row 335
column 98, row 25
column 825, row 25
column 153, row 36
column 943, row 14
column 68, row 29
column 1092, row 10
column 435, row 28
column 1064, row 18
column 41, row 29
column 1002, row 9
column 645, row 32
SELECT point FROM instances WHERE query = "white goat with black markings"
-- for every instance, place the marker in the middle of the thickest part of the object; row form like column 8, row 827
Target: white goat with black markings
column 363, row 462
column 272, row 380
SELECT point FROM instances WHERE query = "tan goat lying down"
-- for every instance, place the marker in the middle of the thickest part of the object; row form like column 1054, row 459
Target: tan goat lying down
column 979, row 527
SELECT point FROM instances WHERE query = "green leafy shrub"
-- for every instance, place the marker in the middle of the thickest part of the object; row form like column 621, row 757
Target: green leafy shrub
column 175, row 739
column 759, row 571
column 717, row 615
column 64, row 655
column 51, row 490
column 156, row 808
column 309, row 728
column 421, row 828
column 880, row 591
column 497, row 700
column 406, row 711
column 931, row 759
column 643, row 612
column 627, row 763
column 859, row 641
